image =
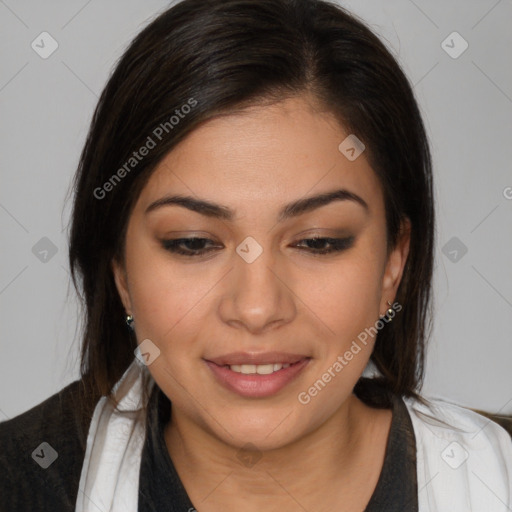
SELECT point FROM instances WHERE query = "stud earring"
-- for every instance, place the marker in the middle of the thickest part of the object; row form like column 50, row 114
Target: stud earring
column 389, row 314
column 129, row 321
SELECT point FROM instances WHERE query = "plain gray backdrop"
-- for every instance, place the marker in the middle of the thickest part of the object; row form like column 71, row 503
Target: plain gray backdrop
column 466, row 99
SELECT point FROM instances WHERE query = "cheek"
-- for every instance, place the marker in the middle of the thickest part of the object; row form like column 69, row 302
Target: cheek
column 168, row 298
column 346, row 297
column 168, row 304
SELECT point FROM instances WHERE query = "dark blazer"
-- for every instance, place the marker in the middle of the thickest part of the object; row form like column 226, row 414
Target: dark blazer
column 62, row 421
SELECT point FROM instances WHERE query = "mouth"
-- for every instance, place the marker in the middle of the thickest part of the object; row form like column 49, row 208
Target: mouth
column 257, row 376
column 260, row 369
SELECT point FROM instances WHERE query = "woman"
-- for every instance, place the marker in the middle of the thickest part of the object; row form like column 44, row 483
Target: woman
column 254, row 199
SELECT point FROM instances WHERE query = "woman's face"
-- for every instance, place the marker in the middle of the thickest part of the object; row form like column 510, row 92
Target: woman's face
column 253, row 290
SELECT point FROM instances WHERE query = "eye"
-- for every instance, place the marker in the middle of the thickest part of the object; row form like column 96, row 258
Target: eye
column 317, row 245
column 194, row 246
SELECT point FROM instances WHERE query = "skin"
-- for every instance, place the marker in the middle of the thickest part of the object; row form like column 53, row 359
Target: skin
column 316, row 456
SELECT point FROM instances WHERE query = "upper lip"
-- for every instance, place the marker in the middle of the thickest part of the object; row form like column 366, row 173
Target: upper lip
column 256, row 358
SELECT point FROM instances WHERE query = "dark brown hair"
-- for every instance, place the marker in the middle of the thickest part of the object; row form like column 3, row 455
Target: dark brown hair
column 226, row 55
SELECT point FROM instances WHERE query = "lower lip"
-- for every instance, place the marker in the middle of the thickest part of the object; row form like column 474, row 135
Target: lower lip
column 255, row 385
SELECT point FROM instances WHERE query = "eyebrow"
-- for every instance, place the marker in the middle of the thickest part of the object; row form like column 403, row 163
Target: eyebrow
column 293, row 209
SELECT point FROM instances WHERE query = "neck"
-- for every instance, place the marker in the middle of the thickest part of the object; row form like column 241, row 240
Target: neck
column 330, row 454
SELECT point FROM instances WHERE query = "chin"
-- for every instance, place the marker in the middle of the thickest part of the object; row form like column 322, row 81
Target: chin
column 263, row 431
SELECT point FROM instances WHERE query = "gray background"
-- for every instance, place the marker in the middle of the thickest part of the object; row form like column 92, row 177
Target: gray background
column 46, row 106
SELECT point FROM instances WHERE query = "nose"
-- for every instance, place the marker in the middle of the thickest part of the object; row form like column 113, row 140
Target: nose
column 258, row 295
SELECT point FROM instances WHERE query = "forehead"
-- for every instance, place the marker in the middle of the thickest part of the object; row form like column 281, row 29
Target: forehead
column 263, row 157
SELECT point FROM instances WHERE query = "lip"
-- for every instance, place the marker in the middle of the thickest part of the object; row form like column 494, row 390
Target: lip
column 256, row 385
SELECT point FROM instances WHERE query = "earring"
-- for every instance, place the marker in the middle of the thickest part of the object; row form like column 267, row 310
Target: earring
column 389, row 314
column 129, row 321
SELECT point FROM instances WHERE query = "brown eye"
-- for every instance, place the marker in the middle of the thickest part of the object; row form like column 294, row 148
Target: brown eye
column 194, row 246
column 325, row 245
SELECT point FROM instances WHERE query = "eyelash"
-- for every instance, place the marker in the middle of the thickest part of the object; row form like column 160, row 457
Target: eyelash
column 337, row 245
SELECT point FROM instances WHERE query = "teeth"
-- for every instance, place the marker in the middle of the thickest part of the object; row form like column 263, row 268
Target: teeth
column 260, row 369
column 265, row 369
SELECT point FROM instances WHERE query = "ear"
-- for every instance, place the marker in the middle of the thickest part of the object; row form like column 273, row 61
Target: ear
column 395, row 265
column 121, row 281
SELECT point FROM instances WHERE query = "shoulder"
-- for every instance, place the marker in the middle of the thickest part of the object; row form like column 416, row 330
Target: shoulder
column 444, row 420
column 464, row 459
column 42, row 452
